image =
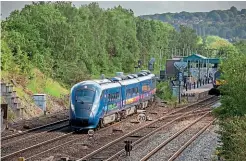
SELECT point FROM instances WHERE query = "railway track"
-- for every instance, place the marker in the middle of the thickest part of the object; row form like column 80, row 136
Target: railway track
column 182, row 148
column 46, row 147
column 114, row 148
column 41, row 133
column 153, row 154
column 10, row 149
column 36, row 129
column 40, row 148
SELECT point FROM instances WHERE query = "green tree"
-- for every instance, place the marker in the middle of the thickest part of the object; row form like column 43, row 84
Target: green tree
column 233, row 10
column 241, row 46
column 213, row 15
column 224, row 16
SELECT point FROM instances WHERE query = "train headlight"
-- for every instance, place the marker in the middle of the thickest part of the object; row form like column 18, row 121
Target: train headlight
column 72, row 107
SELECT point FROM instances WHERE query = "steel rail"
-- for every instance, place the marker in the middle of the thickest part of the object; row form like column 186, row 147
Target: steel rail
column 159, row 147
column 182, row 116
column 37, row 134
column 178, row 152
column 51, row 140
column 105, row 128
column 33, row 129
column 156, row 130
column 74, row 140
column 36, row 145
column 138, row 129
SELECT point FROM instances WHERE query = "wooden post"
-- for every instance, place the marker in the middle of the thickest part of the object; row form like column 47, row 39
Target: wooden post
column 4, row 108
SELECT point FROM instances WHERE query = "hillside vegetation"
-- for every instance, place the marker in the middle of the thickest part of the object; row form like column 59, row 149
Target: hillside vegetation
column 229, row 24
column 72, row 44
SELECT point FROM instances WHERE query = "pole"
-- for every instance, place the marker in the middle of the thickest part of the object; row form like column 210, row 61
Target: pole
column 179, row 92
column 179, row 88
column 160, row 60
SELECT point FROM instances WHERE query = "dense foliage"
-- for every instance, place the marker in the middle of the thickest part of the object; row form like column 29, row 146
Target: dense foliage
column 71, row 44
column 232, row 113
column 235, row 87
column 164, row 91
column 233, row 137
column 229, row 24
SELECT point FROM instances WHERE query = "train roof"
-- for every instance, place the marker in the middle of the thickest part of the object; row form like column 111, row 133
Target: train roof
column 129, row 81
column 110, row 85
column 102, row 81
column 146, row 77
column 118, row 80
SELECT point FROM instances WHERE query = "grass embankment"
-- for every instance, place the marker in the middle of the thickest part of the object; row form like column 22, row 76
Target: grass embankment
column 41, row 84
column 25, row 86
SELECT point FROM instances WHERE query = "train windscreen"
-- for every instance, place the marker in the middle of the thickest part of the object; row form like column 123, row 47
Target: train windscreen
column 85, row 95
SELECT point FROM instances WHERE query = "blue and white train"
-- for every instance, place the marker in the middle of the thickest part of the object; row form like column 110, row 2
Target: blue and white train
column 96, row 103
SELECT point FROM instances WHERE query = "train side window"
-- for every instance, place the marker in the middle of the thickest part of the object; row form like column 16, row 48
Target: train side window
column 114, row 97
column 109, row 97
column 135, row 91
column 145, row 87
column 128, row 92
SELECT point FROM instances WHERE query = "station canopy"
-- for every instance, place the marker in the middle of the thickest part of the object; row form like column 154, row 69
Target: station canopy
column 200, row 58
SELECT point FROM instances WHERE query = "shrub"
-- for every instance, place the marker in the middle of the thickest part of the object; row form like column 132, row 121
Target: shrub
column 233, row 136
column 164, row 92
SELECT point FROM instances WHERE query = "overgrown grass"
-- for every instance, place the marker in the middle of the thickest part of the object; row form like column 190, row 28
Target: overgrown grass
column 41, row 84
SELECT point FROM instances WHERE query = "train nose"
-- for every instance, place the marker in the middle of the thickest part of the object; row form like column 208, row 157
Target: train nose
column 83, row 113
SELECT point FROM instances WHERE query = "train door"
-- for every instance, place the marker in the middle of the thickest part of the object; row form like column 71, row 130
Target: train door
column 123, row 96
column 113, row 103
column 103, row 103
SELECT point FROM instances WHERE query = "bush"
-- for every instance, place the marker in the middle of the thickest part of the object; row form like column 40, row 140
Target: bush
column 232, row 113
column 164, row 92
column 233, row 136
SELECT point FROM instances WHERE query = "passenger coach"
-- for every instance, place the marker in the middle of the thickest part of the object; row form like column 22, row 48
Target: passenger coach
column 96, row 103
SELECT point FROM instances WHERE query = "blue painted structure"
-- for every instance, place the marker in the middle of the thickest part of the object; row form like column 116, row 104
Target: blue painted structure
column 40, row 101
column 200, row 58
column 98, row 102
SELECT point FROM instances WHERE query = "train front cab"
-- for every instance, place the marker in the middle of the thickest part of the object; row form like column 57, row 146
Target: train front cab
column 84, row 104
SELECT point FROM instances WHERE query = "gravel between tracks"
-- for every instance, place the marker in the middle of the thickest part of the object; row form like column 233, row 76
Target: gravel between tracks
column 83, row 145
column 35, row 122
column 32, row 141
column 166, row 152
column 40, row 132
column 203, row 147
column 141, row 149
